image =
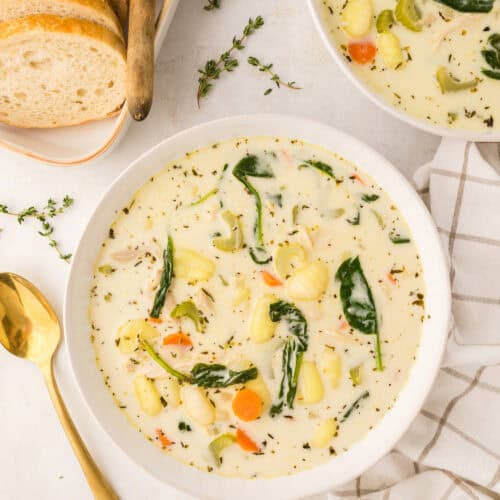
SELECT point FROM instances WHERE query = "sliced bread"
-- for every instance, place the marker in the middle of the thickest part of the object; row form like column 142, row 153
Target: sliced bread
column 97, row 11
column 57, row 71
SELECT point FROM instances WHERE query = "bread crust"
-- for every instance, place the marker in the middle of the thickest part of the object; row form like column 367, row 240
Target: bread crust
column 47, row 23
column 100, row 7
column 42, row 23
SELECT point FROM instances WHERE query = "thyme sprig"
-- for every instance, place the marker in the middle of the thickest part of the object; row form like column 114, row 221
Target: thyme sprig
column 267, row 68
column 226, row 61
column 212, row 4
column 51, row 210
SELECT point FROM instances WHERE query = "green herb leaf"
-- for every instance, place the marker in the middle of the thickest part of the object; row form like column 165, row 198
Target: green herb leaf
column 293, row 351
column 267, row 68
column 354, row 406
column 369, row 198
column 161, row 362
column 205, row 375
column 469, row 5
column 183, row 427
column 492, row 57
column 260, row 256
column 252, row 166
column 357, row 302
column 226, row 61
column 354, row 221
column 397, row 239
column 319, row 165
column 165, row 280
column 204, row 198
column 211, row 5
column 50, row 211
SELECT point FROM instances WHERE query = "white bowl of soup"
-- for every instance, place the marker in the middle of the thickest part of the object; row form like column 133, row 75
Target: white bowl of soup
column 257, row 308
column 434, row 64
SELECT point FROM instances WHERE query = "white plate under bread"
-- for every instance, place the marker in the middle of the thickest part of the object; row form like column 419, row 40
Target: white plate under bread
column 78, row 144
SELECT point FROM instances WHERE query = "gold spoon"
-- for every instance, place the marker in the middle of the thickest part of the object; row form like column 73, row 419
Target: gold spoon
column 29, row 329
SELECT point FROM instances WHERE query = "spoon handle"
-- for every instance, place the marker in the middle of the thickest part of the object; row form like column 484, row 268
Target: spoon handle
column 100, row 488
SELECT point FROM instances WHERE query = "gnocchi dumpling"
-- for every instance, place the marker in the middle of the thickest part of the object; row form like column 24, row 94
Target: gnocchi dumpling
column 309, row 282
column 192, row 266
column 324, row 433
column 357, row 17
column 170, row 390
column 310, row 388
column 259, row 386
column 389, row 48
column 261, row 327
column 331, row 367
column 287, row 258
column 131, row 331
column 147, row 395
column 197, row 405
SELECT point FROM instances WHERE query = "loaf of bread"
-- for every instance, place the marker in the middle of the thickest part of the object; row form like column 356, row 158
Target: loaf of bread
column 57, row 71
column 97, row 11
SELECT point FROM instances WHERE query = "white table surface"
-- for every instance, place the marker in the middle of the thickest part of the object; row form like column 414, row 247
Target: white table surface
column 35, row 459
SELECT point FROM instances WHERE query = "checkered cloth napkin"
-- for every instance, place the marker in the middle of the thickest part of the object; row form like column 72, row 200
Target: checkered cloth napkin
column 452, row 449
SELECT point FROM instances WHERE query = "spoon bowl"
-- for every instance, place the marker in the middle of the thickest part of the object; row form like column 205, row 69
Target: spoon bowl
column 30, row 329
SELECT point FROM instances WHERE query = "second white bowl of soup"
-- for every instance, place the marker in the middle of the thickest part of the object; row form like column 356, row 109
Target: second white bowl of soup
column 259, row 308
column 434, row 64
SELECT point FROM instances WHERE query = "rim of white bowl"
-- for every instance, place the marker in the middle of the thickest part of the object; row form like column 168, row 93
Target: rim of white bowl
column 362, row 455
column 468, row 135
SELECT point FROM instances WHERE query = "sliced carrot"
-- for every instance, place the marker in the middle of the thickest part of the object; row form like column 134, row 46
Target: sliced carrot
column 392, row 279
column 270, row 279
column 362, row 52
column 245, row 442
column 247, row 405
column 344, row 325
column 164, row 441
column 358, row 178
column 178, row 338
column 155, row 320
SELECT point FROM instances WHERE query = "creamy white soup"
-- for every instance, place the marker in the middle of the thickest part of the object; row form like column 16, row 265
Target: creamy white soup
column 257, row 307
column 438, row 60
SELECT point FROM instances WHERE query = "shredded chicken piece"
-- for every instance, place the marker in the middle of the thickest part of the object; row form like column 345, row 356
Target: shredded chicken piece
column 203, row 301
column 210, row 212
column 312, row 310
column 304, row 236
column 125, row 256
column 458, row 23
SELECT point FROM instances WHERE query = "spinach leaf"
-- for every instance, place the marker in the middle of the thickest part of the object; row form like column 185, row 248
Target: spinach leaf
column 357, row 302
column 293, row 351
column 276, row 198
column 203, row 374
column 206, row 375
column 204, row 198
column 161, row 362
column 165, row 280
column 259, row 256
column 491, row 74
column 469, row 5
column 354, row 406
column 368, row 198
column 319, row 165
column 251, row 166
column 355, row 220
column 397, row 239
column 492, row 57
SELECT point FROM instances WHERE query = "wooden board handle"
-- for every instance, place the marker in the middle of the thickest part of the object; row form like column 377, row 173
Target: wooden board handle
column 121, row 10
column 140, row 57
